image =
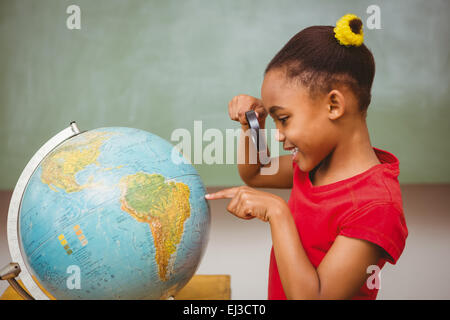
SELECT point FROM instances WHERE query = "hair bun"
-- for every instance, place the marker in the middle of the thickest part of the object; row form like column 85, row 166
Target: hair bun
column 349, row 31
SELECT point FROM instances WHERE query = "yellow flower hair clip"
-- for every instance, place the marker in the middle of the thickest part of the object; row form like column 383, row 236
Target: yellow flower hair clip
column 349, row 31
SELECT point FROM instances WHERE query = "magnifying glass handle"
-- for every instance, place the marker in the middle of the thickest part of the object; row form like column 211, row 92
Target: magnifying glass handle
column 253, row 123
column 258, row 137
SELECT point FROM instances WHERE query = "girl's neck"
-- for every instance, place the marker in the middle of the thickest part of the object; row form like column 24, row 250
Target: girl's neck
column 351, row 156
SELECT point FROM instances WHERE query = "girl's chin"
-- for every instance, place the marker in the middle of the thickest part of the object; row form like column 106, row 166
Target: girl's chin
column 300, row 162
column 303, row 164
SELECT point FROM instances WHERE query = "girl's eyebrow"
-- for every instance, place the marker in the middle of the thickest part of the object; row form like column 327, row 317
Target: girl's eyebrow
column 274, row 109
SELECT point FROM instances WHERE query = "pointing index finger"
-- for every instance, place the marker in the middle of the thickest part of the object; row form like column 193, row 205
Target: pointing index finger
column 223, row 194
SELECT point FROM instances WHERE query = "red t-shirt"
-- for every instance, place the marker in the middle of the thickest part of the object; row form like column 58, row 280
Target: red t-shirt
column 367, row 206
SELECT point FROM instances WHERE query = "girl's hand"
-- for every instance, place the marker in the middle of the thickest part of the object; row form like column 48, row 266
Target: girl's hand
column 242, row 103
column 248, row 203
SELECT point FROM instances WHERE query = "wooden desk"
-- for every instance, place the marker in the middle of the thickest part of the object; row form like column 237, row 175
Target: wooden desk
column 200, row 287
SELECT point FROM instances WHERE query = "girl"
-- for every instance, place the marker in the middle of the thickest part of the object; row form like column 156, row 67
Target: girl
column 344, row 219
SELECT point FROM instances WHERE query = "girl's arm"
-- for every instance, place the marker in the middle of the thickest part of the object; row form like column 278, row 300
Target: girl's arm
column 340, row 275
column 342, row 271
column 249, row 165
column 279, row 176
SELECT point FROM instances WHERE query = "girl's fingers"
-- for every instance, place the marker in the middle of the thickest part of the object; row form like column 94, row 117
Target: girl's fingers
column 245, row 212
column 236, row 202
column 240, row 202
column 243, row 207
column 238, row 208
column 223, row 194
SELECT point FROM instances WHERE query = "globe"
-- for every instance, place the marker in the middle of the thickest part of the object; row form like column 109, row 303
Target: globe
column 108, row 215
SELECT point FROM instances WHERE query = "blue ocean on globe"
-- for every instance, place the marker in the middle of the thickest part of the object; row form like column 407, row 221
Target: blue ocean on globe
column 111, row 206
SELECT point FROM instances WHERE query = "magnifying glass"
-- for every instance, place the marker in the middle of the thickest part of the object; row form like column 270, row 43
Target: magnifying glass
column 257, row 136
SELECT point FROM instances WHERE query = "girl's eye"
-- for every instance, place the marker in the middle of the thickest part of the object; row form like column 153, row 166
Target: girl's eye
column 283, row 120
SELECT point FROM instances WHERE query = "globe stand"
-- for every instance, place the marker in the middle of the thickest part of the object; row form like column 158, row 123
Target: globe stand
column 9, row 273
column 12, row 270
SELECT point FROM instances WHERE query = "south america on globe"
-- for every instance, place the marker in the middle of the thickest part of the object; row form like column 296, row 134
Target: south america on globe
column 112, row 204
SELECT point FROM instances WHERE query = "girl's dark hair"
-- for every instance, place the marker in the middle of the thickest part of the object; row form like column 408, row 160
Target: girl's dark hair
column 315, row 58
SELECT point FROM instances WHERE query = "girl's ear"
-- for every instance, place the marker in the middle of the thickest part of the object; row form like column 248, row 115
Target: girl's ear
column 335, row 104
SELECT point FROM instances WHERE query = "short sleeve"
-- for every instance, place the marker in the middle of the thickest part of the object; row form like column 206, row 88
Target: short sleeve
column 382, row 224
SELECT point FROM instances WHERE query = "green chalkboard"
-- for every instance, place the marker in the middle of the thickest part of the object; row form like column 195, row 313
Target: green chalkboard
column 161, row 65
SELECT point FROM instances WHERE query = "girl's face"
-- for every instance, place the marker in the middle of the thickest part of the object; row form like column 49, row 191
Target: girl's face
column 303, row 124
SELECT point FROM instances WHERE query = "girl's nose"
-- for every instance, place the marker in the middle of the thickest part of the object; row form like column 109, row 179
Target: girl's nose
column 279, row 136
